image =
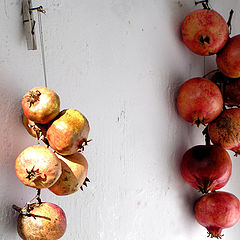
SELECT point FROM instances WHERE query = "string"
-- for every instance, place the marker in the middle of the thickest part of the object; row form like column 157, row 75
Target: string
column 204, row 65
column 42, row 47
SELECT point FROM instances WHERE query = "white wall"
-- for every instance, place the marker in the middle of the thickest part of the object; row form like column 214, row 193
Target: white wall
column 120, row 62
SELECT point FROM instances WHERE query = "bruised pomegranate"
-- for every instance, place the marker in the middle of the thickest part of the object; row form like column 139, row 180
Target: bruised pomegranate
column 46, row 221
column 38, row 167
column 224, row 131
column 216, row 211
column 68, row 133
column 199, row 101
column 41, row 105
column 74, row 173
column 204, row 32
column 34, row 129
column 228, row 60
column 206, row 167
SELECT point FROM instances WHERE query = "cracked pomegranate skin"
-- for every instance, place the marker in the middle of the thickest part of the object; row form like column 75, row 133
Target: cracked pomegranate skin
column 74, row 173
column 47, row 223
column 228, row 59
column 216, row 211
column 43, row 106
column 204, row 32
column 225, row 130
column 68, row 131
column 199, row 101
column 40, row 159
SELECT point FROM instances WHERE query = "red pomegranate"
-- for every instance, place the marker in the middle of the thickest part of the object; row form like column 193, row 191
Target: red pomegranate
column 206, row 167
column 199, row 101
column 46, row 221
column 204, row 32
column 41, row 105
column 224, row 131
column 68, row 133
column 216, row 211
column 74, row 173
column 228, row 60
column 38, row 167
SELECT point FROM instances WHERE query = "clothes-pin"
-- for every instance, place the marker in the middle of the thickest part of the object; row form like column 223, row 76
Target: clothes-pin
column 29, row 24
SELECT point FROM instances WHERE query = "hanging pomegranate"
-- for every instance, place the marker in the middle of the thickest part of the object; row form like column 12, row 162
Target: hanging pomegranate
column 204, row 32
column 45, row 221
column 216, row 211
column 232, row 92
column 199, row 101
column 230, row 88
column 74, row 174
column 41, row 105
column 206, row 167
column 224, row 131
column 38, row 167
column 68, row 133
column 228, row 60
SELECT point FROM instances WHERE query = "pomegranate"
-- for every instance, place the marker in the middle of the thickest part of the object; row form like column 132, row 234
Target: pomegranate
column 228, row 60
column 224, row 131
column 41, row 105
column 199, row 101
column 38, row 167
column 216, row 211
column 206, row 167
column 68, row 133
column 230, row 88
column 232, row 92
column 204, row 32
column 34, row 129
column 74, row 173
column 46, row 221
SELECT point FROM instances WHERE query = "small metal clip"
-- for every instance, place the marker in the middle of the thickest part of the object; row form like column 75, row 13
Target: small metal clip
column 39, row 9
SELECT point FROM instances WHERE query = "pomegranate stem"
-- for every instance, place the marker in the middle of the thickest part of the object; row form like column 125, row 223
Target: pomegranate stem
column 24, row 211
column 37, row 197
column 16, row 208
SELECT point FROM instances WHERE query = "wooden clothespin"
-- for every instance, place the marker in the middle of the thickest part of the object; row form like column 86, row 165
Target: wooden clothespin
column 29, row 24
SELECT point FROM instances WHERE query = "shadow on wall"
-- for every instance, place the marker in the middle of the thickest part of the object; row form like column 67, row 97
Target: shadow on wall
column 12, row 143
column 182, row 139
column 183, row 132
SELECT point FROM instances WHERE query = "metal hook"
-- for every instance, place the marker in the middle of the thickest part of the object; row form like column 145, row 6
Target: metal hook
column 39, row 9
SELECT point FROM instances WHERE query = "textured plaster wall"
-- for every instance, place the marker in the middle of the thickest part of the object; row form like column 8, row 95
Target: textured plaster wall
column 120, row 62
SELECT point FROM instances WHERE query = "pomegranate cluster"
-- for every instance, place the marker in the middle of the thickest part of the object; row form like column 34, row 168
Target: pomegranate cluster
column 213, row 101
column 56, row 162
